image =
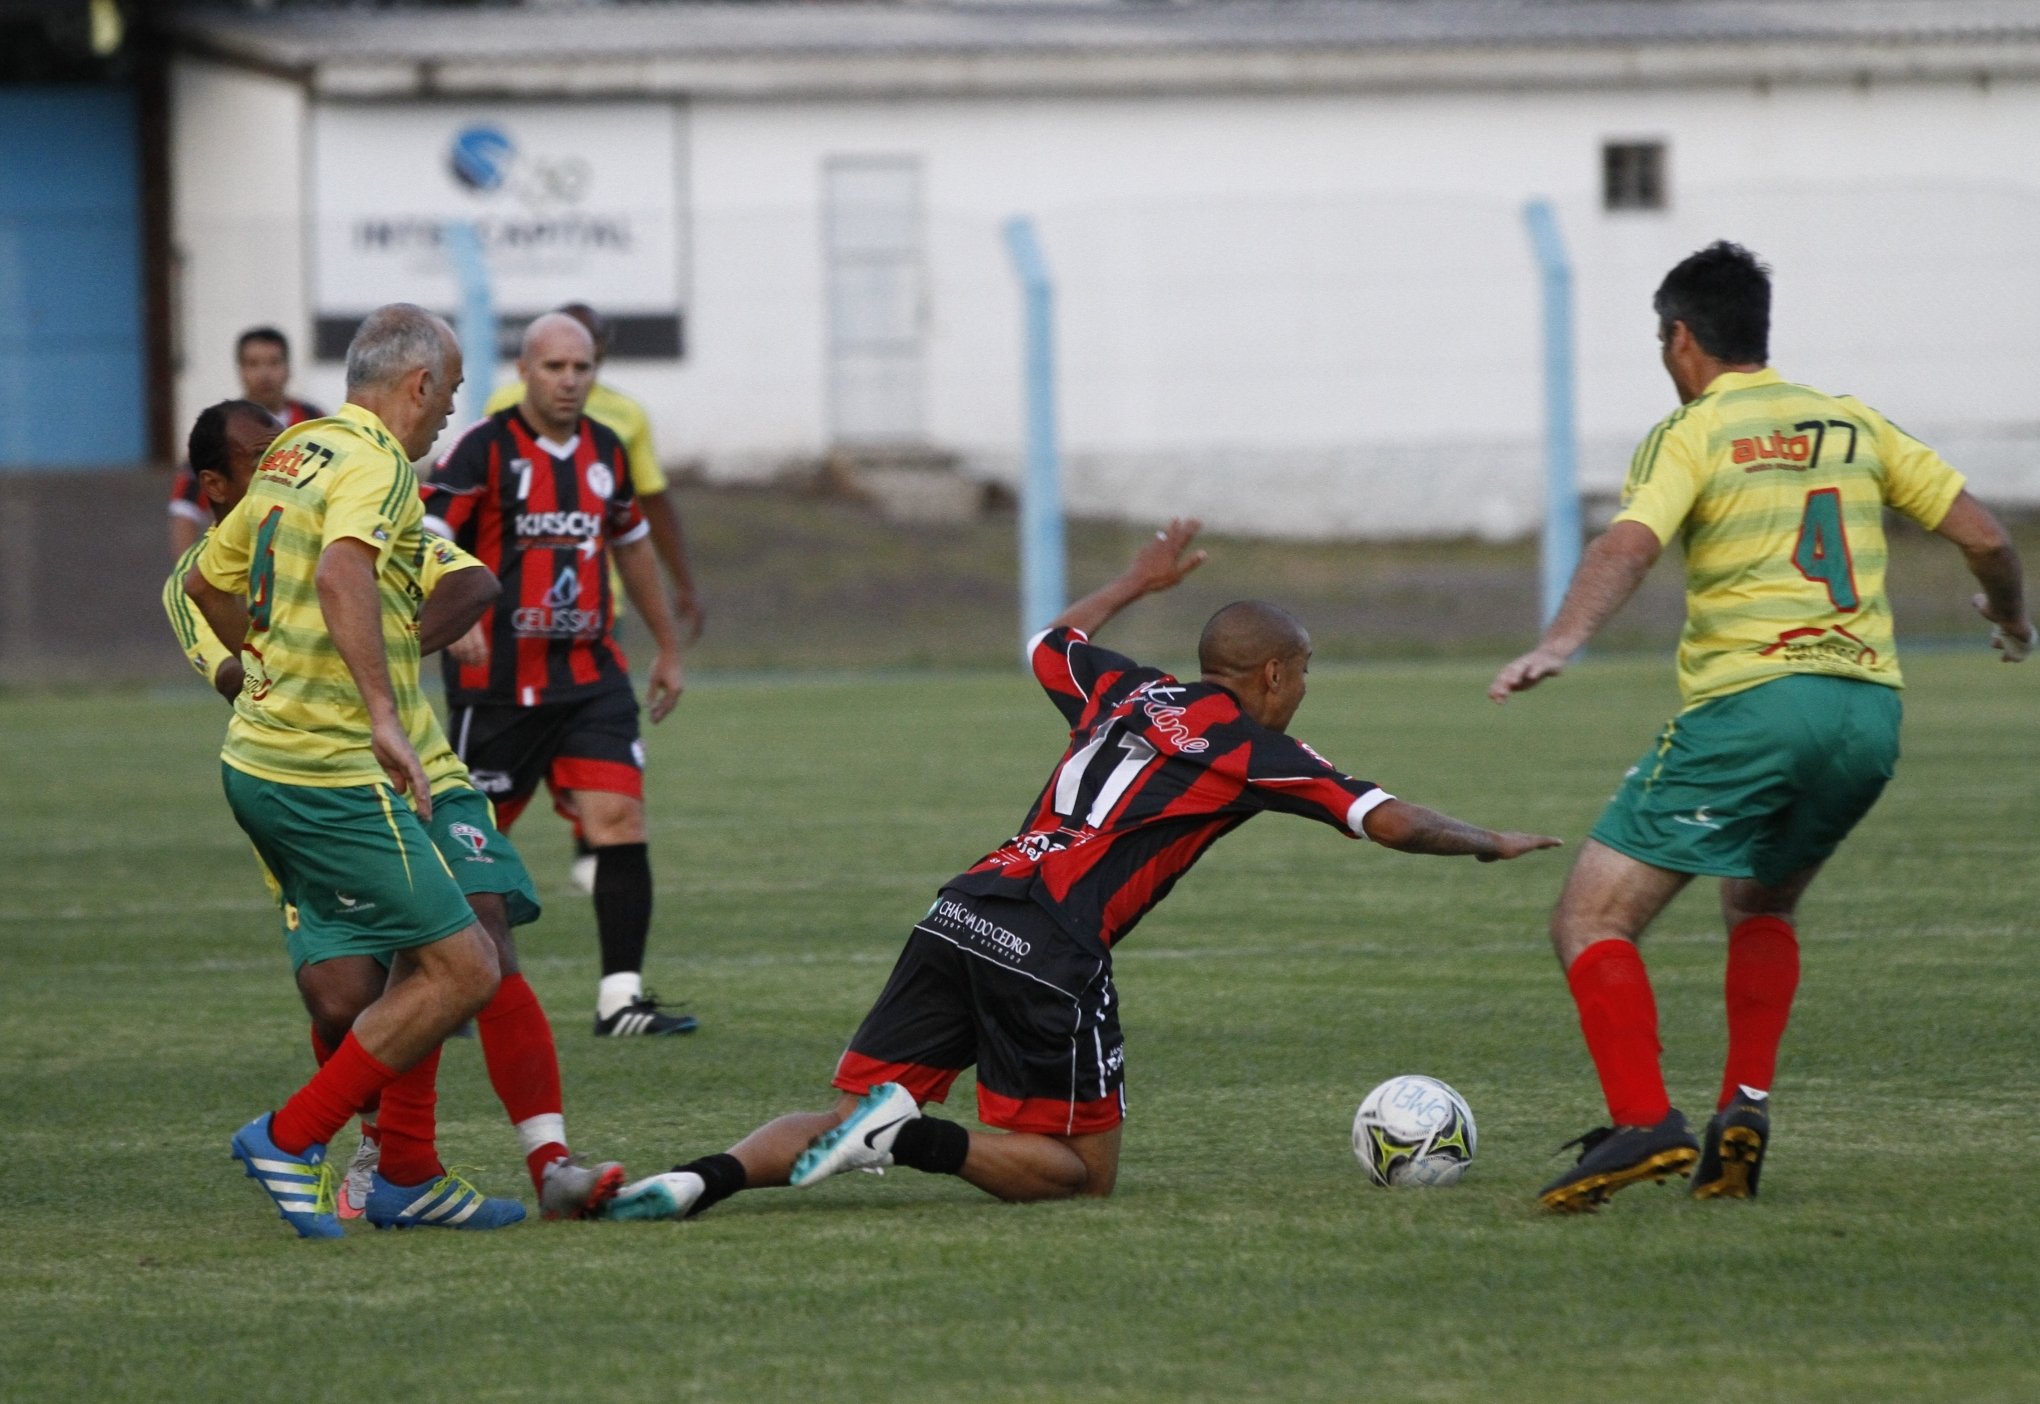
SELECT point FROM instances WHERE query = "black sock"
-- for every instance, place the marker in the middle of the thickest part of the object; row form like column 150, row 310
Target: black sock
column 930, row 1144
column 582, row 849
column 623, row 905
column 723, row 1174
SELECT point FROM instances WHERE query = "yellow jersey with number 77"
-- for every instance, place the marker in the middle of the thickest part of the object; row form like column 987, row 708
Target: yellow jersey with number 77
column 299, row 719
column 1777, row 493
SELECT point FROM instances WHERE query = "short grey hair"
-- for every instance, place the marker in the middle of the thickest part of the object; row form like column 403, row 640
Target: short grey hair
column 393, row 341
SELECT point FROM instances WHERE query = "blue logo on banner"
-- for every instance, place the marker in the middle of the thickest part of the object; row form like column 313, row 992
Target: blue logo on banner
column 481, row 157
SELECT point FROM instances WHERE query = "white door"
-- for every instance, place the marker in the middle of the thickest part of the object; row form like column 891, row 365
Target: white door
column 871, row 223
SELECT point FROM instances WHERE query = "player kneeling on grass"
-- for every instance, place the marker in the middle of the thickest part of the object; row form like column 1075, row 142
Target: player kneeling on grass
column 1011, row 968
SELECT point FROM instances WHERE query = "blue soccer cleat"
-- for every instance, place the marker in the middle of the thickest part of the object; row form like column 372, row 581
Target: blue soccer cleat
column 668, row 1196
column 863, row 1141
column 301, row 1186
column 447, row 1202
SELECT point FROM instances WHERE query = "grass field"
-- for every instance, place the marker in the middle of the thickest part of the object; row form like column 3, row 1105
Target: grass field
column 145, row 1012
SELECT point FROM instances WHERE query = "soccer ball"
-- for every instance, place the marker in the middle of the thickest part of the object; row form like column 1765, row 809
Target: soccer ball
column 1413, row 1130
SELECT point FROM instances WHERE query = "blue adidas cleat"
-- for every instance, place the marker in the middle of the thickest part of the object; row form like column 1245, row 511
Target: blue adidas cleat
column 301, row 1186
column 447, row 1202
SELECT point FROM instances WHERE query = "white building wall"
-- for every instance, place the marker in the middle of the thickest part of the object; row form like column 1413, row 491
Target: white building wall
column 237, row 228
column 1308, row 315
column 1319, row 314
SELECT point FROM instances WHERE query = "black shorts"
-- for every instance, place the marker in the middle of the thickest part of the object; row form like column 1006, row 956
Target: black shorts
column 995, row 982
column 588, row 744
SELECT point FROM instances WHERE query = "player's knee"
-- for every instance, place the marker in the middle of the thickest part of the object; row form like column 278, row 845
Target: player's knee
column 478, row 971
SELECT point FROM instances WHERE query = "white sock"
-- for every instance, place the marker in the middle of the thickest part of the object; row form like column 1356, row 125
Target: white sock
column 618, row 991
column 545, row 1129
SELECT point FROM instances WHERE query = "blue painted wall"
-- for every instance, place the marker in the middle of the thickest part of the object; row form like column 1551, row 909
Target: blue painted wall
column 71, row 346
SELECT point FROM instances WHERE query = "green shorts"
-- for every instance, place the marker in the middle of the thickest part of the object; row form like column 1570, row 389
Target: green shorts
column 464, row 829
column 358, row 873
column 1758, row 784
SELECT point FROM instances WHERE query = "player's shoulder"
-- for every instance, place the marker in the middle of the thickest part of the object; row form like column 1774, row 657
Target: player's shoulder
column 504, row 396
column 618, row 409
column 608, row 438
column 478, row 435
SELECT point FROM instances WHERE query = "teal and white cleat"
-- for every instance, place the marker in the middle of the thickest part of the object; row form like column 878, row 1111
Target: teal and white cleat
column 667, row 1196
column 863, row 1141
column 301, row 1186
column 447, row 1202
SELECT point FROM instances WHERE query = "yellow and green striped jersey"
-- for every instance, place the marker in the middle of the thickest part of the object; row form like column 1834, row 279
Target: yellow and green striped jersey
column 204, row 651
column 202, row 647
column 1777, row 493
column 300, row 719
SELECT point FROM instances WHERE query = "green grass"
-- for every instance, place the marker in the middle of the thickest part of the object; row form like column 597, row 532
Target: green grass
column 145, row 1011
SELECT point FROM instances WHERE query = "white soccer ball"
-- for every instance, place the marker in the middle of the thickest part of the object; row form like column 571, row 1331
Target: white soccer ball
column 1413, row 1130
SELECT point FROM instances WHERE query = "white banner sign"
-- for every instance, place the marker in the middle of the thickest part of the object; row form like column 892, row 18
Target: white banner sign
column 572, row 203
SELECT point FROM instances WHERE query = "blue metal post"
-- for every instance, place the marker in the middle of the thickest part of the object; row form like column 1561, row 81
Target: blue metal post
column 476, row 325
column 1561, row 547
column 1042, row 569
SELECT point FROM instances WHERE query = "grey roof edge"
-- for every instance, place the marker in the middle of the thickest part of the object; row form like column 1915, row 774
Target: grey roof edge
column 867, row 50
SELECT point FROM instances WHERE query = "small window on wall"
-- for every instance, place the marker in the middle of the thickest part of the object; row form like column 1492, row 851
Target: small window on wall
column 1633, row 175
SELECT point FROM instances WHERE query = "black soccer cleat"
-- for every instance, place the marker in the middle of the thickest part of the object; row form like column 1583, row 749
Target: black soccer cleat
column 1613, row 1158
column 1732, row 1151
column 644, row 1017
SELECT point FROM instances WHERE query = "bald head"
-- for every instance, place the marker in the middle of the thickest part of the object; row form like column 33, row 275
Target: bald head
column 556, row 334
column 1243, row 636
column 394, row 341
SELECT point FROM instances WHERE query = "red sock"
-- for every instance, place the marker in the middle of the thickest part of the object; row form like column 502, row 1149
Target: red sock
column 1763, row 975
column 323, row 1051
column 1618, row 1014
column 409, row 1124
column 524, row 1068
column 347, row 1082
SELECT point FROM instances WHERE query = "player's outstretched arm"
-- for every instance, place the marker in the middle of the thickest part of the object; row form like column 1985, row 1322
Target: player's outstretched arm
column 462, row 598
column 1160, row 564
column 1411, row 828
column 1607, row 576
column 1992, row 558
column 352, row 605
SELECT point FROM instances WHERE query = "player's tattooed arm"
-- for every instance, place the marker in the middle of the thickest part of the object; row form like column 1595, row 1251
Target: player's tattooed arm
column 1614, row 565
column 1411, row 828
column 451, row 610
column 1160, row 564
column 1992, row 557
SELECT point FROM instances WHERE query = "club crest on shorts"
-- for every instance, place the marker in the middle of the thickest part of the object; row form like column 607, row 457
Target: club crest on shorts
column 474, row 840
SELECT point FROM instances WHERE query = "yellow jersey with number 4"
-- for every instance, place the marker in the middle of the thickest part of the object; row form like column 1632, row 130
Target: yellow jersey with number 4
column 300, row 719
column 1777, row 493
column 204, row 651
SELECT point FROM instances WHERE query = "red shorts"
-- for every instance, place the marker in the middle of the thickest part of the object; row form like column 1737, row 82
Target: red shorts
column 590, row 744
column 996, row 983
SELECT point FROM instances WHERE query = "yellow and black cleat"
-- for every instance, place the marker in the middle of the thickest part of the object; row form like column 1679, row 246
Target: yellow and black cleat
column 1732, row 1152
column 1613, row 1158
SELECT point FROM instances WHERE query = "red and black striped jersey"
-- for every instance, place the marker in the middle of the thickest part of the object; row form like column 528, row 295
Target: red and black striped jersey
column 1156, row 772
column 187, row 498
column 543, row 517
